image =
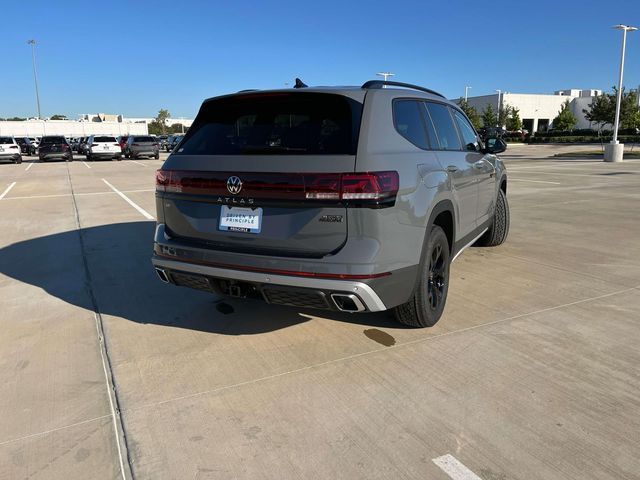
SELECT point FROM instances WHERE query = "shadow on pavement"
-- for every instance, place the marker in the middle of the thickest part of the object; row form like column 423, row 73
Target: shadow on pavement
column 125, row 284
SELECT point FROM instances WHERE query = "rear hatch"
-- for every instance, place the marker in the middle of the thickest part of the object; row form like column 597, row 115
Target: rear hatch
column 8, row 146
column 53, row 145
column 144, row 144
column 261, row 173
column 105, row 144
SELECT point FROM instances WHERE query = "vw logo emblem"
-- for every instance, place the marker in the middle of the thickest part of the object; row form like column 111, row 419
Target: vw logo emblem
column 234, row 185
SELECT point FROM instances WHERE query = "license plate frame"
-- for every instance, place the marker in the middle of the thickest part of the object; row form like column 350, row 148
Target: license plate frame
column 240, row 219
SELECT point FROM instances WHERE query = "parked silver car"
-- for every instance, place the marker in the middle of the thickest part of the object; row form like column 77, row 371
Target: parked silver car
column 142, row 145
column 346, row 198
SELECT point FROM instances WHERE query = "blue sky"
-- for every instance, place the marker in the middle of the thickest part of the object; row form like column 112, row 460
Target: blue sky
column 137, row 57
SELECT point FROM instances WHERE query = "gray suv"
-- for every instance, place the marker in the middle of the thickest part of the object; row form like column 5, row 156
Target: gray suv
column 346, row 198
column 143, row 145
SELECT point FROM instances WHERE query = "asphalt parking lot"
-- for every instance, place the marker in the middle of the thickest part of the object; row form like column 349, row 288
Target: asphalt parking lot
column 533, row 371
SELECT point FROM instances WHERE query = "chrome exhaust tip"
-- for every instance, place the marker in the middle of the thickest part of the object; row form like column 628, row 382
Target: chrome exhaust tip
column 162, row 275
column 347, row 302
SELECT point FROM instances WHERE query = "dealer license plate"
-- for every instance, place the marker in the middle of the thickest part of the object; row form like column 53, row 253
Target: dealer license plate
column 240, row 219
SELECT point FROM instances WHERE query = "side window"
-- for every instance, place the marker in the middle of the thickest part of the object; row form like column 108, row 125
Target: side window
column 447, row 135
column 469, row 136
column 407, row 119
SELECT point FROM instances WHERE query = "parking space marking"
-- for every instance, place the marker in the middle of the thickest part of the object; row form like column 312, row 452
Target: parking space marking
column 57, row 429
column 534, row 181
column 30, row 197
column 454, row 468
column 29, row 166
column 85, row 164
column 378, row 350
column 130, row 202
column 139, row 163
column 3, row 194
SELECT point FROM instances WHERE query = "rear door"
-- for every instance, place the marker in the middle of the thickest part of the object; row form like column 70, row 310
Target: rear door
column 274, row 158
column 459, row 166
column 483, row 168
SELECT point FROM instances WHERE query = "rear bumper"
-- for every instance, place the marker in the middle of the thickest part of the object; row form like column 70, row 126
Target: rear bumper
column 106, row 155
column 311, row 292
column 9, row 157
column 55, row 156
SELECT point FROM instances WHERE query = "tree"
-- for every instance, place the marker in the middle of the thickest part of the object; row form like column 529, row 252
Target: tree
column 58, row 117
column 489, row 116
column 161, row 118
column 565, row 120
column 503, row 114
column 513, row 123
column 470, row 112
column 602, row 110
column 156, row 128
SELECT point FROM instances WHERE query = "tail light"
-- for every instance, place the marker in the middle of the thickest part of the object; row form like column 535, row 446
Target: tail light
column 13, row 146
column 373, row 188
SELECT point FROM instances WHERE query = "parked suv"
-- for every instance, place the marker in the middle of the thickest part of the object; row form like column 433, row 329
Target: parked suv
column 9, row 150
column 345, row 198
column 103, row 146
column 54, row 147
column 26, row 146
column 139, row 145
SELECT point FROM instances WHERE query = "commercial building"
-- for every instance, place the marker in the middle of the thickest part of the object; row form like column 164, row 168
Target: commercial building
column 70, row 128
column 537, row 111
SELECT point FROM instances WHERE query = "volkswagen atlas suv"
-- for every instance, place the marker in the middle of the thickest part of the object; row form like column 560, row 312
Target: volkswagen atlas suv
column 54, row 147
column 9, row 150
column 344, row 198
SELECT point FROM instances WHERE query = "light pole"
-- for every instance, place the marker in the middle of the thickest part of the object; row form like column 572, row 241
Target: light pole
column 615, row 151
column 386, row 75
column 466, row 89
column 499, row 105
column 35, row 73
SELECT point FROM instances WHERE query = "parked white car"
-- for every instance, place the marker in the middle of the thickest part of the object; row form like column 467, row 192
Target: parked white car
column 103, row 146
column 9, row 150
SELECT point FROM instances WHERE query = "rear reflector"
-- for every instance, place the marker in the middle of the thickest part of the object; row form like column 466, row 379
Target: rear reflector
column 372, row 187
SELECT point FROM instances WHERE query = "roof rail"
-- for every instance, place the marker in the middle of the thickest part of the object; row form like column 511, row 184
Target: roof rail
column 382, row 83
column 248, row 90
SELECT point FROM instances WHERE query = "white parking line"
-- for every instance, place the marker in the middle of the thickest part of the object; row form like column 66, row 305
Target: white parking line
column 85, row 164
column 7, row 190
column 454, row 468
column 29, row 197
column 534, row 181
column 29, row 166
column 130, row 202
column 139, row 163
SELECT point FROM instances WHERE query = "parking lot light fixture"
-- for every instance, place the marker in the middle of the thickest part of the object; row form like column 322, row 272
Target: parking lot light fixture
column 499, row 105
column 35, row 73
column 466, row 92
column 385, row 75
column 614, row 151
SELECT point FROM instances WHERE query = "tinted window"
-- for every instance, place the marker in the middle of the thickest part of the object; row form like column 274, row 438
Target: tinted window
column 104, row 139
column 276, row 124
column 53, row 140
column 469, row 136
column 447, row 135
column 408, row 120
column 5, row 140
column 143, row 139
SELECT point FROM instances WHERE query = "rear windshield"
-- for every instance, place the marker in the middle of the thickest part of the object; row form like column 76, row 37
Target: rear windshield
column 104, row 139
column 276, row 124
column 144, row 139
column 5, row 140
column 53, row 140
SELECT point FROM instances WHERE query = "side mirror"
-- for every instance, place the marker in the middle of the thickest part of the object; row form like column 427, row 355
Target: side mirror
column 495, row 145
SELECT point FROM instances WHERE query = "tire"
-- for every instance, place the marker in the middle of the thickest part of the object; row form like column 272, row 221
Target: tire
column 19, row 160
column 88, row 157
column 126, row 155
column 157, row 156
column 499, row 229
column 426, row 305
column 70, row 158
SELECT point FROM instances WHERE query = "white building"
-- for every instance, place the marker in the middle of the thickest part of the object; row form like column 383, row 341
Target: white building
column 537, row 111
column 70, row 128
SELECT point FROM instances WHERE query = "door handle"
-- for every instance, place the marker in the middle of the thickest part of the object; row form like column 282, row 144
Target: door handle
column 452, row 168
